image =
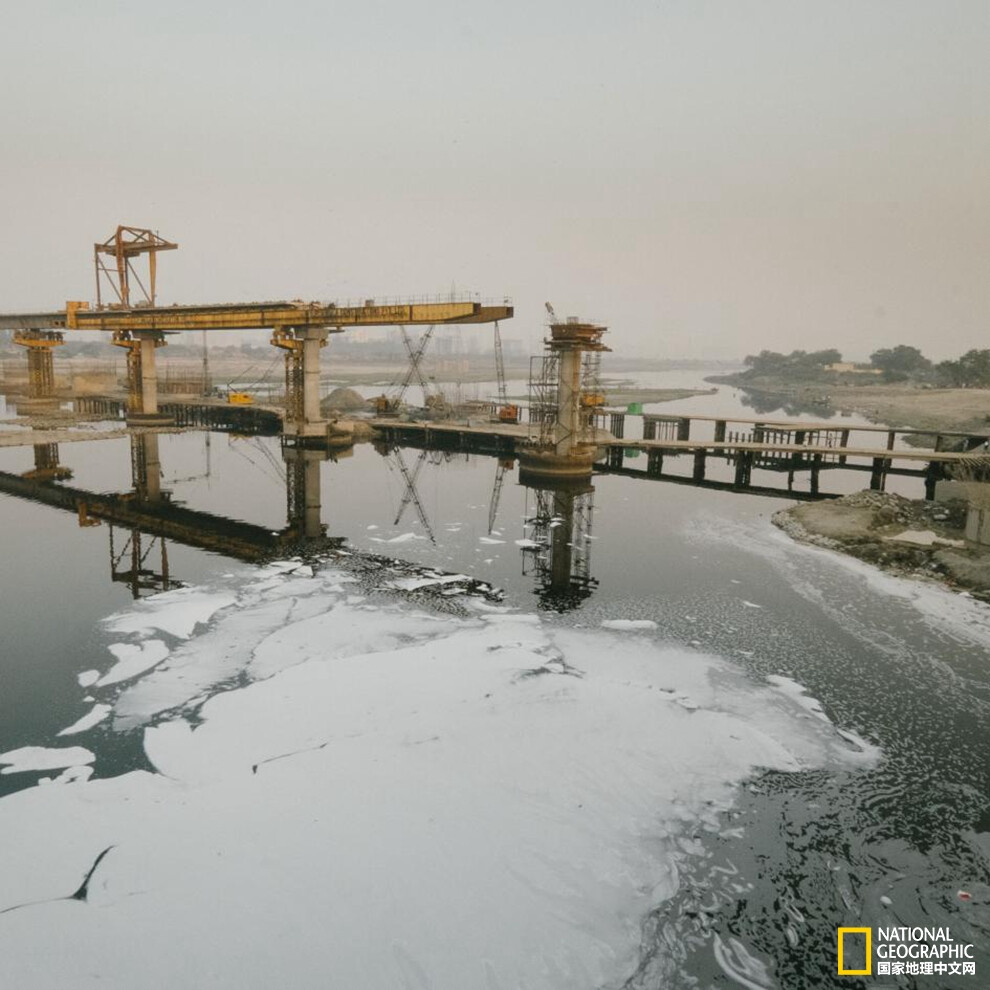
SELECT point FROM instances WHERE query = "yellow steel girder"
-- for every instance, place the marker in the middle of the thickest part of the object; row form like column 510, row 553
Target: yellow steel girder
column 247, row 316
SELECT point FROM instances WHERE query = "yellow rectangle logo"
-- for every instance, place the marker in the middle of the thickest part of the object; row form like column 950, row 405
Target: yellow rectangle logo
column 868, row 932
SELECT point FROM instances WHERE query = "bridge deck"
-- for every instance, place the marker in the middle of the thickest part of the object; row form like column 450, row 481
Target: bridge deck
column 520, row 432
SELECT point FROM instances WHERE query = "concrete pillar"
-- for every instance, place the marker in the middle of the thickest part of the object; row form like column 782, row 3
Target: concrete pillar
column 568, row 402
column 303, row 418
column 314, row 338
column 149, row 377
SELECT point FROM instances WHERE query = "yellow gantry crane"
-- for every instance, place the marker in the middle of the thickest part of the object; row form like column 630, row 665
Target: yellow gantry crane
column 139, row 324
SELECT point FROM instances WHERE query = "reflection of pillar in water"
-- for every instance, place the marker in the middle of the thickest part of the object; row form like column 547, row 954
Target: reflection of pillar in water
column 559, row 552
column 146, row 466
column 302, row 491
column 46, row 464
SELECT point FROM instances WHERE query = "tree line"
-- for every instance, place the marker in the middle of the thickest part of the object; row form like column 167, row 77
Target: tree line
column 902, row 363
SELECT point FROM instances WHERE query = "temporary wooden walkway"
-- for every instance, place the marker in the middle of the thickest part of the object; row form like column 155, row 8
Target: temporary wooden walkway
column 805, row 449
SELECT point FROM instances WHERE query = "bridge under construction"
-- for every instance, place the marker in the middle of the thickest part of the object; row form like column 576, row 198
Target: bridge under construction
column 139, row 325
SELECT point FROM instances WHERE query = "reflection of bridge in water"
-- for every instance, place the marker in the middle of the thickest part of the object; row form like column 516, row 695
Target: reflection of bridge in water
column 148, row 517
column 556, row 551
column 144, row 520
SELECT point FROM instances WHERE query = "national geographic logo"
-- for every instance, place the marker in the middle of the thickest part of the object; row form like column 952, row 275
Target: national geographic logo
column 866, row 955
column 902, row 951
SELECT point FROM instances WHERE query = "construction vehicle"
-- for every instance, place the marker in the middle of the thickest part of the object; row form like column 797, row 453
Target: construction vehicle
column 506, row 412
column 240, row 398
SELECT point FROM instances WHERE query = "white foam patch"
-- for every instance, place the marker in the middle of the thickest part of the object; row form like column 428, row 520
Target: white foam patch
column 411, row 800
column 628, row 624
column 945, row 611
column 43, row 758
column 401, row 538
column 175, row 612
column 93, row 717
column 133, row 659
column 426, row 581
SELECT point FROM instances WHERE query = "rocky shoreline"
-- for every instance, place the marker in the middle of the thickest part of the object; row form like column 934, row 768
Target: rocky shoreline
column 909, row 538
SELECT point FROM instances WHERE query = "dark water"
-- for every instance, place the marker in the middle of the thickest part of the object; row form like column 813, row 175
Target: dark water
column 906, row 669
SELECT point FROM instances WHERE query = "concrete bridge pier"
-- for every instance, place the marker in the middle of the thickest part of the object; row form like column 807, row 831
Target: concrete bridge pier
column 40, row 346
column 564, row 435
column 304, row 421
column 142, row 376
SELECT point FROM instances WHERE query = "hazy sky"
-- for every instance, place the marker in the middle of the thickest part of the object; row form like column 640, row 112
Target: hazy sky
column 708, row 178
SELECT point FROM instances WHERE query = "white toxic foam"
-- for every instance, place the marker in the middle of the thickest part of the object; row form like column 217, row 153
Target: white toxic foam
column 628, row 624
column 393, row 799
column 43, row 758
column 175, row 612
column 93, row 717
column 133, row 659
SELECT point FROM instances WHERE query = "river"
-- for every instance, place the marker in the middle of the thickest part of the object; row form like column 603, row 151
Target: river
column 887, row 824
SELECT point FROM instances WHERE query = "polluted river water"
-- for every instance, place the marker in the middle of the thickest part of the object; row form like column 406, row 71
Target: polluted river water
column 626, row 734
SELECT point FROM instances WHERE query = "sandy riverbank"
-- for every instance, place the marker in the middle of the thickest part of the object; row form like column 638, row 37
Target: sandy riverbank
column 893, row 405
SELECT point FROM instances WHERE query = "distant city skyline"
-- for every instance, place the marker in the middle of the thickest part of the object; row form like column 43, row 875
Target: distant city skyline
column 707, row 178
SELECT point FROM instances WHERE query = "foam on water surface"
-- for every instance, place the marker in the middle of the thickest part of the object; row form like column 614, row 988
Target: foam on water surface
column 175, row 612
column 43, row 758
column 378, row 792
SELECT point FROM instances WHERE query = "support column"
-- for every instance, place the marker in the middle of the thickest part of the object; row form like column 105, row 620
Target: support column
column 40, row 346
column 720, row 431
column 684, row 429
column 878, row 475
column 149, row 376
column 313, row 340
column 142, row 376
column 933, row 474
column 302, row 345
column 649, row 428
column 568, row 402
